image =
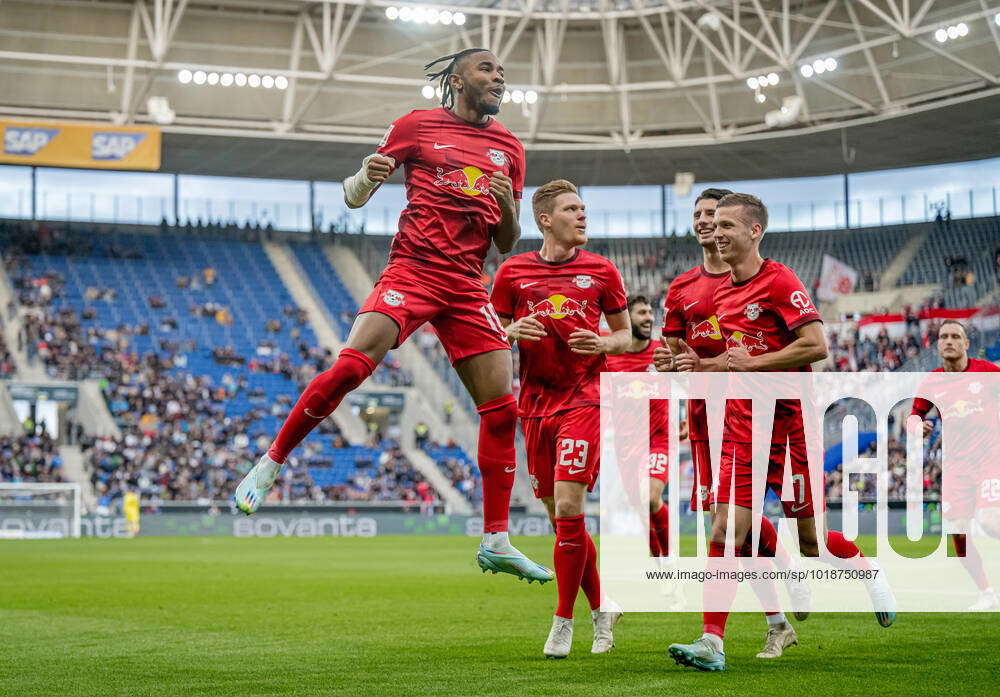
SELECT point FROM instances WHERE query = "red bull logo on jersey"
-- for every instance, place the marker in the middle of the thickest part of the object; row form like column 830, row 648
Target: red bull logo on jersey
column 963, row 408
column 471, row 181
column 638, row 389
column 557, row 306
column 751, row 342
column 706, row 329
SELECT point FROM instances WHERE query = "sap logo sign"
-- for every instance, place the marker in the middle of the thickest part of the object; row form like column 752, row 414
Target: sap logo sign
column 114, row 146
column 26, row 141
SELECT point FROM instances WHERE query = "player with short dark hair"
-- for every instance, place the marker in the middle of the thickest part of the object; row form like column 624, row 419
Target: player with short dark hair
column 464, row 172
column 971, row 493
column 550, row 303
column 768, row 323
column 690, row 324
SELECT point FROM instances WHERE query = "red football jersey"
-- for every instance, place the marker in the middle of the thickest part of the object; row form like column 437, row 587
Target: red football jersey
column 976, row 409
column 564, row 296
column 642, row 362
column 689, row 314
column 761, row 314
column 450, row 215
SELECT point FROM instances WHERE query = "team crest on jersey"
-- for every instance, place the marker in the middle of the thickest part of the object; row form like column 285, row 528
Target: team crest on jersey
column 583, row 281
column 976, row 387
column 498, row 157
column 392, row 298
column 752, row 312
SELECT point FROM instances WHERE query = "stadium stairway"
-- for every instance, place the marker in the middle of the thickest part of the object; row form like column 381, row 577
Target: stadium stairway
column 431, row 389
column 9, row 425
column 305, row 297
column 74, row 471
column 12, row 325
column 898, row 266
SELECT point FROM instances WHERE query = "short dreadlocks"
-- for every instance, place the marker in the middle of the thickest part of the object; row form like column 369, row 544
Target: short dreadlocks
column 441, row 76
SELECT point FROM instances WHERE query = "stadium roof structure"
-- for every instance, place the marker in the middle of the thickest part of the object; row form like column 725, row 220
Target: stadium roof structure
column 607, row 91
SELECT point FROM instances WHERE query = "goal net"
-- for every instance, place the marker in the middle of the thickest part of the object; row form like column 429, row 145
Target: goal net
column 39, row 511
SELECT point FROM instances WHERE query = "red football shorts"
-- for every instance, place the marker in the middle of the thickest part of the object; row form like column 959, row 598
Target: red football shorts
column 457, row 306
column 735, row 465
column 701, row 487
column 659, row 440
column 967, row 492
column 563, row 447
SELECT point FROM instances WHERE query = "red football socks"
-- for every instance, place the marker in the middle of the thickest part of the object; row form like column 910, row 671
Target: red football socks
column 843, row 549
column 654, row 541
column 319, row 399
column 497, row 459
column 571, row 552
column 660, row 522
column 591, row 581
column 716, row 592
column 971, row 560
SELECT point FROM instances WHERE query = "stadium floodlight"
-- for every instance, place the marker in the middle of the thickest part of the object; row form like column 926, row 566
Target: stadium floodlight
column 419, row 15
column 438, row 92
column 267, row 82
column 773, row 79
column 240, row 79
column 996, row 19
column 831, row 64
column 226, row 79
column 952, row 32
column 445, row 17
column 392, row 13
column 406, row 13
column 254, row 80
column 710, row 20
column 458, row 19
column 427, row 92
column 530, row 97
column 184, row 76
column 963, row 29
column 433, row 16
column 506, row 97
column 819, row 66
column 517, row 96
column 281, row 82
column 199, row 77
column 753, row 83
column 760, row 97
column 941, row 35
column 213, row 78
column 806, row 70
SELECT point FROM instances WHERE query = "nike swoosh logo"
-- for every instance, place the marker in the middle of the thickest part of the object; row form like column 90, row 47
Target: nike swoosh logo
column 525, row 285
column 690, row 305
column 510, row 469
column 311, row 415
column 442, row 147
column 568, row 544
column 796, row 509
column 576, row 471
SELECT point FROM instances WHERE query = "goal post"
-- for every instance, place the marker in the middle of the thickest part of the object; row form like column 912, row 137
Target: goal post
column 37, row 510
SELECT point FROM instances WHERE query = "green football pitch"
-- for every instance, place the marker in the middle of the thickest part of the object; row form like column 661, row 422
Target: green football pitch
column 404, row 616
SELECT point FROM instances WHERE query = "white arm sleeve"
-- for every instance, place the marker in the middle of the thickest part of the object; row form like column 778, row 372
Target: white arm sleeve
column 359, row 187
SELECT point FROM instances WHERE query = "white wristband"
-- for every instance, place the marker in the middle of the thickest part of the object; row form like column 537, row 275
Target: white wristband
column 359, row 187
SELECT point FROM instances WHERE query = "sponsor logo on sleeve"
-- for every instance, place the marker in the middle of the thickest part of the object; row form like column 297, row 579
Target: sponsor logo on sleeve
column 800, row 300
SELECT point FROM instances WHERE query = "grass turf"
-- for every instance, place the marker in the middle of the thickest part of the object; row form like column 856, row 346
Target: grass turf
column 403, row 616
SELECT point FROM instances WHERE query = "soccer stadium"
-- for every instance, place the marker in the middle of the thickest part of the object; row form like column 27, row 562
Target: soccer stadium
column 319, row 317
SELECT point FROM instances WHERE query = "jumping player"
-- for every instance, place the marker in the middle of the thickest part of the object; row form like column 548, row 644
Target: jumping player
column 971, row 492
column 557, row 296
column 690, row 324
column 464, row 173
column 769, row 324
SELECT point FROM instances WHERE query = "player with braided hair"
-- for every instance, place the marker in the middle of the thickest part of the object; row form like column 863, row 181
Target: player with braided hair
column 464, row 172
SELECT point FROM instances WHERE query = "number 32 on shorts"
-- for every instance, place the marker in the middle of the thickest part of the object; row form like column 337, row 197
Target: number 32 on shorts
column 573, row 455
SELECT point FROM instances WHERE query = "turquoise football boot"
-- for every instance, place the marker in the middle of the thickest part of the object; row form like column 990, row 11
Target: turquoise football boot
column 252, row 491
column 699, row 654
column 514, row 563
